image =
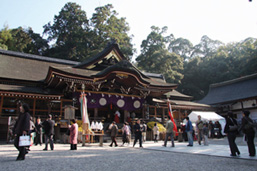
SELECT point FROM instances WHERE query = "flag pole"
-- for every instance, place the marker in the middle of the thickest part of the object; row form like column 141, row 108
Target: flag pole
column 171, row 118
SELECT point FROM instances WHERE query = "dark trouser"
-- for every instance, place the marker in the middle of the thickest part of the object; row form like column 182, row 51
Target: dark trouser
column 125, row 138
column 38, row 139
column 200, row 136
column 171, row 138
column 138, row 137
column 22, row 150
column 155, row 138
column 73, row 146
column 232, row 144
column 114, row 141
column 251, row 146
column 50, row 138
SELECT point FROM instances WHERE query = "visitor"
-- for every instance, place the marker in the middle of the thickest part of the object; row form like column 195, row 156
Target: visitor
column 199, row 128
column 248, row 130
column 125, row 134
column 189, row 131
column 205, row 133
column 114, row 132
column 73, row 134
column 169, row 132
column 211, row 129
column 48, row 126
column 231, row 129
column 144, row 129
column 22, row 127
column 138, row 133
column 39, row 134
column 155, row 132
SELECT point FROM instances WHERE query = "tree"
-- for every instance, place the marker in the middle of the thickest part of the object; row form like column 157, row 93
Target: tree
column 5, row 37
column 156, row 58
column 182, row 47
column 106, row 27
column 20, row 40
column 207, row 47
column 69, row 33
column 38, row 45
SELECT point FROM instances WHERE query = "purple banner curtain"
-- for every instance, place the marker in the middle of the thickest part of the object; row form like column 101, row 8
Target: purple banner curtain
column 101, row 100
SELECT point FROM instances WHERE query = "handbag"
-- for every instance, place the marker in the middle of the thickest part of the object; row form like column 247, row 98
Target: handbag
column 24, row 140
column 233, row 128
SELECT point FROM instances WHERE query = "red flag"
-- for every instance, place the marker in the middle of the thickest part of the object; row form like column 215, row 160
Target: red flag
column 172, row 120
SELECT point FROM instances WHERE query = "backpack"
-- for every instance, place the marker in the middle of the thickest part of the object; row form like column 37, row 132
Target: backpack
column 249, row 124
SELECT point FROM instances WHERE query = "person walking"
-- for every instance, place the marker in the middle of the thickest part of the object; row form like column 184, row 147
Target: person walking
column 169, row 132
column 114, row 131
column 205, row 133
column 211, row 129
column 155, row 132
column 48, row 126
column 39, row 134
column 138, row 133
column 73, row 134
column 231, row 129
column 199, row 127
column 125, row 134
column 22, row 127
column 189, row 131
column 144, row 129
column 248, row 130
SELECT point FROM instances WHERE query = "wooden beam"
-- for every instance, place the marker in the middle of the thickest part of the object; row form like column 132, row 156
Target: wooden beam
column 1, row 104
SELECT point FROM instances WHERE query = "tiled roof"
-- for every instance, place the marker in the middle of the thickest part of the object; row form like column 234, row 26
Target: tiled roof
column 232, row 90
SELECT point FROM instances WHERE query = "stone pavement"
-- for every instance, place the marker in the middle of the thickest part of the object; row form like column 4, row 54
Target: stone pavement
column 153, row 156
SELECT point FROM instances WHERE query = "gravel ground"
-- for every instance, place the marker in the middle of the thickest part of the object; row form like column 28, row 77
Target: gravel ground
column 119, row 158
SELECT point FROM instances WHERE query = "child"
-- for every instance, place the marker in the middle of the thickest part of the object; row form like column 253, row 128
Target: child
column 155, row 132
column 205, row 134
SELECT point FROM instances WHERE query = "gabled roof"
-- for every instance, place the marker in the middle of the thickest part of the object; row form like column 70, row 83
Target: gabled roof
column 232, row 90
column 111, row 51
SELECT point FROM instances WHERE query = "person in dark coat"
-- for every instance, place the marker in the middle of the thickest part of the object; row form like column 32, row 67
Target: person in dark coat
column 249, row 132
column 22, row 127
column 114, row 132
column 138, row 133
column 231, row 133
column 39, row 134
column 48, row 126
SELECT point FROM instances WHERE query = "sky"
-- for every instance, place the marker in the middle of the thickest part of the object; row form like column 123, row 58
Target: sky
column 224, row 20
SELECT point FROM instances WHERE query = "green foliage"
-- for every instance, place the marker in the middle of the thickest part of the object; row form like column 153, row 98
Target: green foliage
column 69, row 32
column 225, row 63
column 107, row 27
column 156, row 58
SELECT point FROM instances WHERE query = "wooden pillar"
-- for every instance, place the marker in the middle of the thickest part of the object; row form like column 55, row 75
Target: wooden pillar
column 61, row 109
column 163, row 114
column 125, row 116
column 1, row 104
column 143, row 111
column 155, row 111
column 34, row 108
column 95, row 113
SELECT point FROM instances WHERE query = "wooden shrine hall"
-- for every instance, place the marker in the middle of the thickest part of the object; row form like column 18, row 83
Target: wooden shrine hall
column 110, row 81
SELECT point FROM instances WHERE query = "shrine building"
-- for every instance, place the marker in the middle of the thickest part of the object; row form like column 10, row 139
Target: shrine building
column 110, row 81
